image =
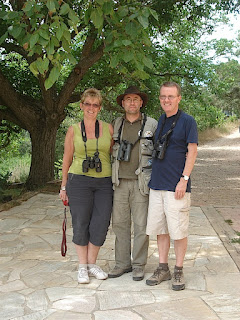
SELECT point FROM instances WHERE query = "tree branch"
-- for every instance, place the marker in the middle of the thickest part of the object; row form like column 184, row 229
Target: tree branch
column 17, row 4
column 89, row 42
column 88, row 59
column 20, row 107
column 168, row 74
column 8, row 115
column 12, row 47
column 75, row 97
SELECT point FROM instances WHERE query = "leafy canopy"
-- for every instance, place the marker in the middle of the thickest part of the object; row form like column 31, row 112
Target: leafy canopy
column 48, row 29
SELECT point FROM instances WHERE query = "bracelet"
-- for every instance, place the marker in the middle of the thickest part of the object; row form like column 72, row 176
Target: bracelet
column 63, row 188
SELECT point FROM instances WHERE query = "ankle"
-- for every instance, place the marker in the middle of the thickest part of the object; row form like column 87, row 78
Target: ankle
column 176, row 268
column 164, row 266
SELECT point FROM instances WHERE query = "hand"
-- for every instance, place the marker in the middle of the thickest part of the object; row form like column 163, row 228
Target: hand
column 63, row 195
column 180, row 189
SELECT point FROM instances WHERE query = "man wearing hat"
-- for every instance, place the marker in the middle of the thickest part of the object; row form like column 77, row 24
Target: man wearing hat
column 131, row 171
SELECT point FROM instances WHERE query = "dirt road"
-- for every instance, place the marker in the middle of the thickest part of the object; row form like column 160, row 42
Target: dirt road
column 216, row 177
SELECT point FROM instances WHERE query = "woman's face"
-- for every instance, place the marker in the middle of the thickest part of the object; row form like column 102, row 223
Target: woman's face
column 91, row 107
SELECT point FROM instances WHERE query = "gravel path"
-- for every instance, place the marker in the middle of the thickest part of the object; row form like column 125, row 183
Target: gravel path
column 216, row 178
column 216, row 175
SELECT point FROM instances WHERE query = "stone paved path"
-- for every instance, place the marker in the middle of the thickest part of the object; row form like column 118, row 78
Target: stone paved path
column 36, row 282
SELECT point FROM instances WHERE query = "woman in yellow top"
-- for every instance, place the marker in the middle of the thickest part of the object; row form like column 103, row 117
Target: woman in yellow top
column 87, row 184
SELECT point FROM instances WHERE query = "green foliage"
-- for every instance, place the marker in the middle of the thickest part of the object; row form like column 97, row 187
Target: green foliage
column 47, row 31
column 16, row 167
column 225, row 86
column 236, row 240
column 15, row 157
column 18, row 143
column 4, row 183
column 58, row 169
column 206, row 117
column 17, row 69
column 229, row 221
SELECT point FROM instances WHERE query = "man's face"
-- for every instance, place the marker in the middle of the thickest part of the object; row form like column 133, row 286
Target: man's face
column 169, row 100
column 132, row 103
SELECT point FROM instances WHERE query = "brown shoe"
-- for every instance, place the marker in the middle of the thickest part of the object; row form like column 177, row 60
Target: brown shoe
column 178, row 282
column 158, row 276
column 117, row 272
column 138, row 273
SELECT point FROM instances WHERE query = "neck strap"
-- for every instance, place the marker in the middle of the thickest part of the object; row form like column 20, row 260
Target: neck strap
column 169, row 132
column 141, row 130
column 84, row 135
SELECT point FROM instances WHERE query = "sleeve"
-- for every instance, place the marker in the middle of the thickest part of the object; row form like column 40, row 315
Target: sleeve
column 191, row 131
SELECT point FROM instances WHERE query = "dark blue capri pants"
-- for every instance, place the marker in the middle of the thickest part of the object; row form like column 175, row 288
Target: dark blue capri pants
column 90, row 202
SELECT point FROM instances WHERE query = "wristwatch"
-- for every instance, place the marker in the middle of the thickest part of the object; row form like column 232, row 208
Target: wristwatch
column 63, row 188
column 186, row 178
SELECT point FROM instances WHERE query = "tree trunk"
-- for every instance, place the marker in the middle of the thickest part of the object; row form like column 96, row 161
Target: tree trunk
column 43, row 140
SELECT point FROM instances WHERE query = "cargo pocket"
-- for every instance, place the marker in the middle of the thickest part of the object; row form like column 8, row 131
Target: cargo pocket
column 144, row 174
column 147, row 147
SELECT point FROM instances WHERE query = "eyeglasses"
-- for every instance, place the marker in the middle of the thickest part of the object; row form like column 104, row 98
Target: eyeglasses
column 95, row 105
column 134, row 100
column 167, row 97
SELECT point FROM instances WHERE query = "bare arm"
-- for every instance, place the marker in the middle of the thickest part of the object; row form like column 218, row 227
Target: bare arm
column 190, row 161
column 67, row 160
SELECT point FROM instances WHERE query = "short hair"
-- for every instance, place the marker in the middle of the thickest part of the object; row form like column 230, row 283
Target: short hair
column 92, row 92
column 171, row 84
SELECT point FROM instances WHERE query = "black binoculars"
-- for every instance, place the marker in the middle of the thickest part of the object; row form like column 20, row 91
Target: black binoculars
column 124, row 152
column 160, row 150
column 91, row 163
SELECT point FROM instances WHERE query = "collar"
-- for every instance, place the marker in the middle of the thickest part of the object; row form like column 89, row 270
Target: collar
column 138, row 119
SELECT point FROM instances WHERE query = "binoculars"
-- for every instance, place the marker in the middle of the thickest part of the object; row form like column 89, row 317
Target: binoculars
column 160, row 150
column 91, row 163
column 124, row 152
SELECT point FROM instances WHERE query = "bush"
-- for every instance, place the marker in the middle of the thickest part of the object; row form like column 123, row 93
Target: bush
column 17, row 168
column 4, row 183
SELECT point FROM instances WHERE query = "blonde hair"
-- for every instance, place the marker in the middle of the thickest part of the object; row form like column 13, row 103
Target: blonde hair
column 92, row 92
column 171, row 84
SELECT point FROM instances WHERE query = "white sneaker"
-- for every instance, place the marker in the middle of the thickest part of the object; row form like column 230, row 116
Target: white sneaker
column 83, row 275
column 98, row 273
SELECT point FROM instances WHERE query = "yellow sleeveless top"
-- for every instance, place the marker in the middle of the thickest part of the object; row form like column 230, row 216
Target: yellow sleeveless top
column 104, row 143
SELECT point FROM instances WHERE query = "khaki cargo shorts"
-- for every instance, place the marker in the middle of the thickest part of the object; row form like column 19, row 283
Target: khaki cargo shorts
column 166, row 215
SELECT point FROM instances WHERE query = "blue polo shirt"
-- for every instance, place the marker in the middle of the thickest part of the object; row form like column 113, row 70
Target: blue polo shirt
column 167, row 172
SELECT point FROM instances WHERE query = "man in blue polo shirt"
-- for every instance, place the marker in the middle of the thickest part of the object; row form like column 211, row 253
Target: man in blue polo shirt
column 175, row 153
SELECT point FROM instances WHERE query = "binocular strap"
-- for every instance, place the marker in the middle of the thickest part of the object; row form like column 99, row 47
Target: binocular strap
column 84, row 135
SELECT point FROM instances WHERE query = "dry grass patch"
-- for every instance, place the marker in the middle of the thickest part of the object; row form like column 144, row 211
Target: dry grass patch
column 215, row 133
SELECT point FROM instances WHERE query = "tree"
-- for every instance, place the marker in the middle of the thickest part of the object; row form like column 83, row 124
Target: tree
column 225, row 87
column 45, row 35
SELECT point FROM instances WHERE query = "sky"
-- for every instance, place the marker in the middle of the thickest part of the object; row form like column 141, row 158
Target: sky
column 226, row 30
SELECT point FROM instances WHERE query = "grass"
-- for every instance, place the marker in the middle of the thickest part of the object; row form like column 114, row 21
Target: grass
column 218, row 132
column 229, row 221
column 19, row 169
column 14, row 172
column 236, row 240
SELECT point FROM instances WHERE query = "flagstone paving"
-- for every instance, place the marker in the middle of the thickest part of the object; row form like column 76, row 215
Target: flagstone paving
column 36, row 282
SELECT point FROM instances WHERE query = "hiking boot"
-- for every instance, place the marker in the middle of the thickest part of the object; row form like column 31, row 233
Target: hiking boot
column 97, row 272
column 158, row 276
column 138, row 273
column 117, row 272
column 83, row 275
column 178, row 282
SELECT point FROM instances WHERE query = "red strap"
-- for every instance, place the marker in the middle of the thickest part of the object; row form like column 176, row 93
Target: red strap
column 64, row 239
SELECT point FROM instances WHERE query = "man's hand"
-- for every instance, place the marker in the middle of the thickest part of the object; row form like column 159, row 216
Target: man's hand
column 180, row 189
